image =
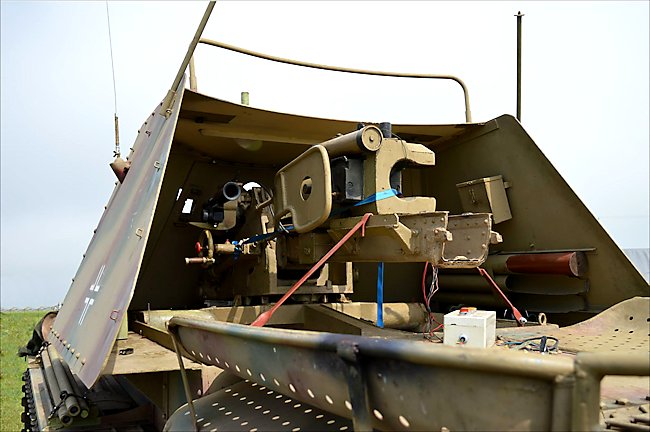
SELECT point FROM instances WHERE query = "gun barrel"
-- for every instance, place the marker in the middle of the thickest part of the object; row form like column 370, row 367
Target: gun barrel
column 229, row 192
column 365, row 140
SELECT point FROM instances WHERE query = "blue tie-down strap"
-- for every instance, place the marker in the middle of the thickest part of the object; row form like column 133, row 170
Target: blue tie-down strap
column 259, row 238
column 380, row 295
column 377, row 197
column 371, row 199
column 272, row 235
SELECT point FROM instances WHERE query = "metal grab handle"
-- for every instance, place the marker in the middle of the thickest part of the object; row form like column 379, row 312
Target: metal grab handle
column 468, row 114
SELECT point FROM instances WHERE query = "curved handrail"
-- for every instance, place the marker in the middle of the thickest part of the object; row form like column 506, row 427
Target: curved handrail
column 468, row 115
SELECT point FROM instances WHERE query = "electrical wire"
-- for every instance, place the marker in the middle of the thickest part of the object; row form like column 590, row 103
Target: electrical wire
column 539, row 343
column 427, row 294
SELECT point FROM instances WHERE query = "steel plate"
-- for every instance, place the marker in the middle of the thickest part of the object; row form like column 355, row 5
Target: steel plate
column 92, row 312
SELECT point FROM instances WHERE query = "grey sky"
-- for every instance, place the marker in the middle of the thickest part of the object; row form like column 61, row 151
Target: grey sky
column 585, row 97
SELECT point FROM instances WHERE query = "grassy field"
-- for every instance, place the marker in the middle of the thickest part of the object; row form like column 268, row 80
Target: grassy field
column 15, row 330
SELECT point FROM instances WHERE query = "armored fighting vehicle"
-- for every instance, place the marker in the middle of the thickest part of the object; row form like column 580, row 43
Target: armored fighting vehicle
column 256, row 270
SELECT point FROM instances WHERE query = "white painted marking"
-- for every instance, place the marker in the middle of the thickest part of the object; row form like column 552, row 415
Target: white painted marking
column 88, row 303
column 94, row 289
column 96, row 286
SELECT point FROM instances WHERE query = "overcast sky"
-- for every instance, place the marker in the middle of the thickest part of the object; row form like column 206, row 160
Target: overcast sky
column 585, row 97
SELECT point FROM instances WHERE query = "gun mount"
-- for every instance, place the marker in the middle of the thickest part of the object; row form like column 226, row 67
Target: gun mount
column 316, row 202
column 401, row 229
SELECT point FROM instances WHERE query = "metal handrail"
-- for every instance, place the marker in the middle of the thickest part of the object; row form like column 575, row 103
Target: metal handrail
column 171, row 93
column 468, row 115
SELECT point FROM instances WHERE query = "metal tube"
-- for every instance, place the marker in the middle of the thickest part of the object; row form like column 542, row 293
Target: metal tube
column 85, row 409
column 519, row 16
column 245, row 98
column 563, row 387
column 50, row 380
column 192, row 75
column 623, row 425
column 573, row 264
column 116, row 152
column 199, row 260
column 62, row 380
column 468, row 114
column 230, row 191
column 366, row 140
column 55, row 390
column 590, row 369
column 186, row 384
column 167, row 102
column 603, row 364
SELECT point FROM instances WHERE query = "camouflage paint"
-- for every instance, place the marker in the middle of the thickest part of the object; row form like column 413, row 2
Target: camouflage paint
column 92, row 311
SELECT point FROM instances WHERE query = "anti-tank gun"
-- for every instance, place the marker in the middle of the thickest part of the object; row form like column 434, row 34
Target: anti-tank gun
column 318, row 197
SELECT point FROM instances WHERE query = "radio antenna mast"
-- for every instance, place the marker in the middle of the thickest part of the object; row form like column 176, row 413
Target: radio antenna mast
column 116, row 152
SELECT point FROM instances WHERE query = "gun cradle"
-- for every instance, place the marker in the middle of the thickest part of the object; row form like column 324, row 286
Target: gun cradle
column 445, row 241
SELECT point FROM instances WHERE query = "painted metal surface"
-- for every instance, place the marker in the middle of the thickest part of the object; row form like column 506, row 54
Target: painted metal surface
column 410, row 385
column 142, row 355
column 310, row 204
column 97, row 301
column 467, row 151
column 559, row 223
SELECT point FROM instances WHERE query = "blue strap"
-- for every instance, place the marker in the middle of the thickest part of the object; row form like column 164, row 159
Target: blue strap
column 377, row 197
column 380, row 295
column 381, row 195
column 270, row 236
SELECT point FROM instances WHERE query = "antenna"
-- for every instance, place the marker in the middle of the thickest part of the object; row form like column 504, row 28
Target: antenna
column 119, row 166
column 116, row 152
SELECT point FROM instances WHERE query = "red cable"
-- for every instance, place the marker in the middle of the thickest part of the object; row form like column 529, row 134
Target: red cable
column 424, row 291
column 520, row 319
column 263, row 318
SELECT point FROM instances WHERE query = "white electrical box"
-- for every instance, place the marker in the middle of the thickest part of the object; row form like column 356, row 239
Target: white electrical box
column 470, row 327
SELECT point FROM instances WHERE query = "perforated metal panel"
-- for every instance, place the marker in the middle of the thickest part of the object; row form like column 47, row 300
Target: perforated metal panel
column 409, row 385
column 623, row 327
column 248, row 406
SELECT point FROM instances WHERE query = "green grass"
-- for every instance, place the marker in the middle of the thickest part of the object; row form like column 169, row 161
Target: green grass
column 15, row 330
